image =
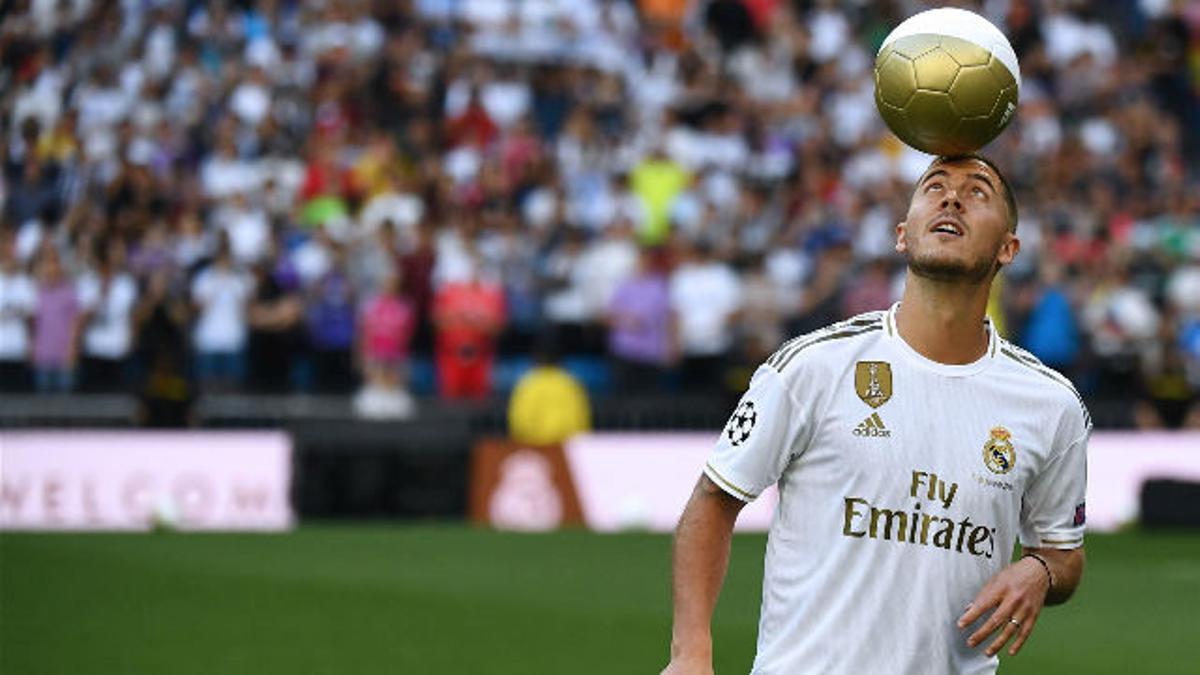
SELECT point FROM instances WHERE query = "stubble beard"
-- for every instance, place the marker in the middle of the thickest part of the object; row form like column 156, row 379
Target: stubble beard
column 941, row 270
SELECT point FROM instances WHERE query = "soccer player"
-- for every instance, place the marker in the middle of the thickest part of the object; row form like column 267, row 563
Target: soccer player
column 911, row 449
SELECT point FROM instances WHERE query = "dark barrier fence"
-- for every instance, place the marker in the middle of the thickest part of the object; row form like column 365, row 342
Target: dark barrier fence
column 1169, row 503
column 369, row 470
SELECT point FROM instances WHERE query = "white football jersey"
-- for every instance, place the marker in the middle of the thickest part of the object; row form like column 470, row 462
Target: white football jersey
column 903, row 485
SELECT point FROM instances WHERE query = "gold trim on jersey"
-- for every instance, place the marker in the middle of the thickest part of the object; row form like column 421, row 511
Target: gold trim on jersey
column 844, row 329
column 727, row 483
column 1063, row 541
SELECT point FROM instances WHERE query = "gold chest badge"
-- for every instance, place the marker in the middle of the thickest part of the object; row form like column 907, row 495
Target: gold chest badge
column 999, row 455
column 873, row 382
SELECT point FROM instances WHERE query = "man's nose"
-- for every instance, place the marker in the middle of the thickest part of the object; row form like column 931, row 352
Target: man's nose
column 951, row 199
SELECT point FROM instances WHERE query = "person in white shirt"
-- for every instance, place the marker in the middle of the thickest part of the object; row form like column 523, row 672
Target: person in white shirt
column 912, row 448
column 107, row 297
column 221, row 293
column 705, row 297
column 18, row 300
column 247, row 226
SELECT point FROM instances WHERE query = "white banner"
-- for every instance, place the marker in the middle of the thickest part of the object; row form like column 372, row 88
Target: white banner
column 642, row 481
column 122, row 480
column 1119, row 463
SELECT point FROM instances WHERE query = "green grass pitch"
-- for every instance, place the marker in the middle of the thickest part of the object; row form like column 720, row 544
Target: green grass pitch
column 450, row 599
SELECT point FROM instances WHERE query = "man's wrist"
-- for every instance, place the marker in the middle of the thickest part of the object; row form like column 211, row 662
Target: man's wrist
column 1046, row 567
column 696, row 648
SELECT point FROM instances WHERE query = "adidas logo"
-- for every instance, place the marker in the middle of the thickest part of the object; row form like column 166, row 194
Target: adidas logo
column 872, row 427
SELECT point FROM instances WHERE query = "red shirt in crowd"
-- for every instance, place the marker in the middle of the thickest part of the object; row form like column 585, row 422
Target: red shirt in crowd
column 469, row 316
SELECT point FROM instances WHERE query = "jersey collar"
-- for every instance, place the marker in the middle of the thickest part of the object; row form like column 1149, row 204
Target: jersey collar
column 892, row 334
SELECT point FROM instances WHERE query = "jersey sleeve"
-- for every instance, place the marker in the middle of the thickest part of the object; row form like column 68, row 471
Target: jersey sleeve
column 757, row 443
column 1053, row 510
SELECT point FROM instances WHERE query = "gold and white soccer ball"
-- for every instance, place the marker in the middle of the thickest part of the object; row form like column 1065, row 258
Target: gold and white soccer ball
column 947, row 81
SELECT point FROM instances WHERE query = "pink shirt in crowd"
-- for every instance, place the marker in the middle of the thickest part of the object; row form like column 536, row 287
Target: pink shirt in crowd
column 387, row 324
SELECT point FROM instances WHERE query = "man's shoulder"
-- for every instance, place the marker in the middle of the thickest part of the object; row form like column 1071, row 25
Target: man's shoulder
column 1037, row 377
column 822, row 345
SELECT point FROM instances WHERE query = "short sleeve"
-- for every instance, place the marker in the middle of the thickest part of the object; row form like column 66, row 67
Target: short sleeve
column 756, row 444
column 1053, row 510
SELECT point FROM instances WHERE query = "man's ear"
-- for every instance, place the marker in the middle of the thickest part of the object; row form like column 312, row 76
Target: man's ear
column 1009, row 250
column 901, row 245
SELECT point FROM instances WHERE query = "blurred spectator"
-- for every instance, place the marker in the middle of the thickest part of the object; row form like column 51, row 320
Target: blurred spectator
column 468, row 315
column 106, row 298
column 641, row 326
column 871, row 290
column 331, row 327
column 247, row 227
column 161, row 319
column 548, row 405
column 759, row 327
column 56, row 326
column 566, row 307
column 1168, row 400
column 822, row 299
column 657, row 181
column 1051, row 332
column 1124, row 324
column 18, row 302
column 386, row 325
column 416, row 278
column 275, row 318
column 472, row 126
column 221, row 293
column 706, row 296
column 607, row 262
column 166, row 395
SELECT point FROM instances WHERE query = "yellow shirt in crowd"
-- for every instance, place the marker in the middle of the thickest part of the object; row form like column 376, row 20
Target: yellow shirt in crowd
column 548, row 406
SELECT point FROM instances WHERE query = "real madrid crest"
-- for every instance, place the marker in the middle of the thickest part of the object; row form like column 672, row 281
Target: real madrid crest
column 999, row 455
column 873, row 382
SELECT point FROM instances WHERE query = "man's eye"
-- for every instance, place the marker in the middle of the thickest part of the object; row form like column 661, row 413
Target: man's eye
column 933, row 186
column 979, row 192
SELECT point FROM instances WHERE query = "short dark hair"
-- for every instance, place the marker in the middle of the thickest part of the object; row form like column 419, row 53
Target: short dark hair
column 1010, row 199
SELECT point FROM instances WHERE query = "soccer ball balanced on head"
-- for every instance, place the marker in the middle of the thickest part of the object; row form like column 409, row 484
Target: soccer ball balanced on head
column 947, row 81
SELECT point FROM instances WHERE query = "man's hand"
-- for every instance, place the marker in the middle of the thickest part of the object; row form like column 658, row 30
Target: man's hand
column 1016, row 596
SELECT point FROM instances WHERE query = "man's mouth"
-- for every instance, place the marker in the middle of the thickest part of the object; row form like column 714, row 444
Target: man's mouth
column 948, row 226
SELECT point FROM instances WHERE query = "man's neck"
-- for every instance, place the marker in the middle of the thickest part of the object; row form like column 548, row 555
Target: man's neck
column 944, row 321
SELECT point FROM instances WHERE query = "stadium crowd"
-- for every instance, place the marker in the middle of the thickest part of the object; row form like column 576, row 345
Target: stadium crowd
column 276, row 195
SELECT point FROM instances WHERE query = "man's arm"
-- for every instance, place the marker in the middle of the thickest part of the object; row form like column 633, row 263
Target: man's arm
column 1018, row 592
column 700, row 558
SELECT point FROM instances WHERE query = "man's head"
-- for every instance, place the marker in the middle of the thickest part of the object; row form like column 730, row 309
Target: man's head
column 961, row 222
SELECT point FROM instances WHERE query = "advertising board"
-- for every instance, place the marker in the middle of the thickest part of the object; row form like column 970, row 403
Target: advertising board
column 642, row 481
column 121, row 480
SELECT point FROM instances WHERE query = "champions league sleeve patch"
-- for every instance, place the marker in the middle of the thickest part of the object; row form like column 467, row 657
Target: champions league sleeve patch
column 1080, row 514
column 738, row 429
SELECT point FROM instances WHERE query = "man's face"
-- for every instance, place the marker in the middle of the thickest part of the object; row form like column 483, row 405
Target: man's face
column 957, row 224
